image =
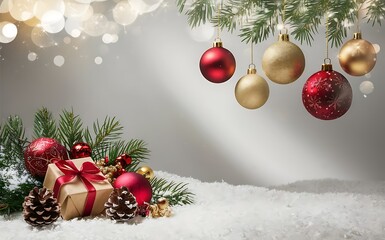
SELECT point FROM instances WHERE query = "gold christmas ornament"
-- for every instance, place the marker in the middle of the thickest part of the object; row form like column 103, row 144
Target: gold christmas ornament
column 252, row 91
column 161, row 208
column 283, row 62
column 357, row 56
column 146, row 172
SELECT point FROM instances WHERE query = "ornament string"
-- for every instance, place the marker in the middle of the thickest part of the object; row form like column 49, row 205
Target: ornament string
column 283, row 15
column 251, row 53
column 327, row 38
column 219, row 21
column 358, row 28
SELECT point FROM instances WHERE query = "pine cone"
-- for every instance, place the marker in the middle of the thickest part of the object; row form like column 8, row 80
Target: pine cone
column 40, row 207
column 121, row 205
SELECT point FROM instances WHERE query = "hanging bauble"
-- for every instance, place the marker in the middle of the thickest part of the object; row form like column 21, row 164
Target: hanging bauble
column 217, row 64
column 327, row 94
column 80, row 150
column 283, row 62
column 146, row 172
column 41, row 152
column 357, row 56
column 252, row 91
column 137, row 185
column 124, row 160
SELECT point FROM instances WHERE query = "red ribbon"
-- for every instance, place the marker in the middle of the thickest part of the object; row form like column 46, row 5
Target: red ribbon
column 88, row 173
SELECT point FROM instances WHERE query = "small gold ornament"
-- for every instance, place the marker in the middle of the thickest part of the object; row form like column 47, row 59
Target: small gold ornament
column 252, row 91
column 146, row 172
column 161, row 208
column 357, row 56
column 283, row 62
column 109, row 171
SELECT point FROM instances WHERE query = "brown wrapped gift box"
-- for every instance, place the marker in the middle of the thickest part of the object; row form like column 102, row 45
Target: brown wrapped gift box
column 73, row 195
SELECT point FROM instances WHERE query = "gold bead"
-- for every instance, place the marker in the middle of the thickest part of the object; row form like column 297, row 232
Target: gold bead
column 357, row 56
column 146, row 172
column 162, row 203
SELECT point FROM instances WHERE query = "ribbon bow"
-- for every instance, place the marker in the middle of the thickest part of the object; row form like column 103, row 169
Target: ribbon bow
column 88, row 173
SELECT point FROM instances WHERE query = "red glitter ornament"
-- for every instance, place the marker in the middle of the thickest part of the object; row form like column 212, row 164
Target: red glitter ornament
column 124, row 160
column 217, row 64
column 327, row 94
column 41, row 152
column 138, row 185
column 80, row 150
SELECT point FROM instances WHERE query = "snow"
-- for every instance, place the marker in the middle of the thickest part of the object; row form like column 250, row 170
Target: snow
column 314, row 209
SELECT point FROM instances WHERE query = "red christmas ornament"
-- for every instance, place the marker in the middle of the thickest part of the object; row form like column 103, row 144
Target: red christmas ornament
column 217, row 64
column 124, row 160
column 138, row 185
column 41, row 152
column 327, row 94
column 80, row 150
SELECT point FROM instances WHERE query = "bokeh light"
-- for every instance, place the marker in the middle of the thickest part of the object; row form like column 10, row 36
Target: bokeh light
column 41, row 38
column 202, row 33
column 7, row 32
column 59, row 60
column 98, row 60
column 32, row 56
column 366, row 87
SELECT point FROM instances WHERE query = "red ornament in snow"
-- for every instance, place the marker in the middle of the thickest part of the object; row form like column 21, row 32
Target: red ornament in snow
column 138, row 185
column 80, row 150
column 41, row 152
column 217, row 64
column 327, row 94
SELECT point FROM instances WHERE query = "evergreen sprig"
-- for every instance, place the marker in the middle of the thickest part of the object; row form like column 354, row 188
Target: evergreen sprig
column 12, row 142
column 70, row 129
column 258, row 19
column 176, row 193
column 44, row 124
column 135, row 148
column 103, row 135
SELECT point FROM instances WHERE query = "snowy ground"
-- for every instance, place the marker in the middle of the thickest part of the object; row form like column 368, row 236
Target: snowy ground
column 325, row 209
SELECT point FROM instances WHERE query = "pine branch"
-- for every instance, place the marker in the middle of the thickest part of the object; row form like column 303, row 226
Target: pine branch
column 201, row 11
column 13, row 142
column 70, row 129
column 176, row 193
column 258, row 19
column 105, row 134
column 138, row 151
column 135, row 148
column 44, row 124
column 12, row 200
column 376, row 11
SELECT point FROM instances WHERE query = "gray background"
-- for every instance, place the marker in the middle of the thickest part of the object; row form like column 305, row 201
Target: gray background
column 150, row 80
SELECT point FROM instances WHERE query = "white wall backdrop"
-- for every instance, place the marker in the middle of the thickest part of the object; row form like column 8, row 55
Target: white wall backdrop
column 150, row 80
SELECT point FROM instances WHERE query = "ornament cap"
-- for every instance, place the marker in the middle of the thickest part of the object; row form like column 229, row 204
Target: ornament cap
column 357, row 35
column 283, row 37
column 251, row 69
column 217, row 43
column 327, row 67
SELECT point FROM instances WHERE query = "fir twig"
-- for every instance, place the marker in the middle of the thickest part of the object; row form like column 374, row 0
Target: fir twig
column 70, row 129
column 176, row 193
column 258, row 19
column 135, row 148
column 13, row 142
column 105, row 134
column 44, row 124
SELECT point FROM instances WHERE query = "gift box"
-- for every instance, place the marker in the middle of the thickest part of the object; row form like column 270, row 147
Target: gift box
column 79, row 186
